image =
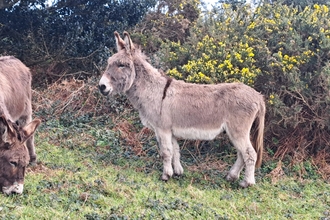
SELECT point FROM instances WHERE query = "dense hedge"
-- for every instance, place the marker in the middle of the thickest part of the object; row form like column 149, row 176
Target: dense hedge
column 65, row 38
column 282, row 51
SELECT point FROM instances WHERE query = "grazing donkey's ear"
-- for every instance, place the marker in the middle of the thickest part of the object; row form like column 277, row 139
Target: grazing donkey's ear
column 6, row 129
column 29, row 129
column 119, row 42
column 128, row 42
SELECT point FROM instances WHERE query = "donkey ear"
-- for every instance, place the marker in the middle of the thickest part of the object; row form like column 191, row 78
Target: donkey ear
column 128, row 42
column 5, row 127
column 30, row 128
column 119, row 42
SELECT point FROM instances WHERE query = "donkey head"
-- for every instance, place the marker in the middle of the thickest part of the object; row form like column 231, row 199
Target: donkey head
column 14, row 155
column 120, row 73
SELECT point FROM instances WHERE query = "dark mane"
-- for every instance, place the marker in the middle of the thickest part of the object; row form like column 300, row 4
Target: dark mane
column 168, row 83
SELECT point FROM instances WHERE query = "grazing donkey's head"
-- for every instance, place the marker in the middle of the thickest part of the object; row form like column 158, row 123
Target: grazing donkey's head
column 14, row 155
column 120, row 72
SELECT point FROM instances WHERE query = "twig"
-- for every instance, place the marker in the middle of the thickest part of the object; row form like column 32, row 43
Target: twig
column 71, row 97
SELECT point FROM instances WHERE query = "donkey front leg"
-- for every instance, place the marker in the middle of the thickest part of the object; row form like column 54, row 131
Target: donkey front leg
column 32, row 152
column 164, row 139
column 22, row 121
column 178, row 170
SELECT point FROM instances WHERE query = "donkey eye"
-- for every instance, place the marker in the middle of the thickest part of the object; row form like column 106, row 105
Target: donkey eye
column 13, row 163
column 121, row 65
column 7, row 145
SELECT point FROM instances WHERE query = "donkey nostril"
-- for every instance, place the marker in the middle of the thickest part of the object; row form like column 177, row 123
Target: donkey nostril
column 102, row 87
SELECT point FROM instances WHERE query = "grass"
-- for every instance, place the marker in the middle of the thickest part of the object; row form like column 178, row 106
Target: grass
column 89, row 169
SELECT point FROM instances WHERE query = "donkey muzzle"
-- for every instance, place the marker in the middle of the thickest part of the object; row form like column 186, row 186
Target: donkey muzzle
column 15, row 188
column 103, row 90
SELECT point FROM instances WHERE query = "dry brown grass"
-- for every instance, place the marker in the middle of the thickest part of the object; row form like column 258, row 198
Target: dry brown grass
column 322, row 162
column 75, row 96
column 277, row 173
column 131, row 137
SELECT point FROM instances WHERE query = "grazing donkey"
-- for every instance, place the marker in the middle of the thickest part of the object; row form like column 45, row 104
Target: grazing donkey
column 14, row 155
column 16, row 125
column 175, row 109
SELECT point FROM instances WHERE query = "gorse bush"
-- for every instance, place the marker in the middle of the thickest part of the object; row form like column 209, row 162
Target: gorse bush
column 282, row 51
column 293, row 54
column 213, row 54
column 215, row 62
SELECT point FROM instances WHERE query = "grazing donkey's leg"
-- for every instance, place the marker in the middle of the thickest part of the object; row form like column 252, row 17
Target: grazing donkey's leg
column 164, row 138
column 176, row 157
column 22, row 121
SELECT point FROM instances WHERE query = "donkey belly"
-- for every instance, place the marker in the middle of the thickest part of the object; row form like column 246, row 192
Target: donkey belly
column 197, row 133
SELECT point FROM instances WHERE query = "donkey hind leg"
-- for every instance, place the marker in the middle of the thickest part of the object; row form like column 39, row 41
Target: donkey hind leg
column 178, row 170
column 236, row 168
column 249, row 156
column 164, row 139
column 22, row 121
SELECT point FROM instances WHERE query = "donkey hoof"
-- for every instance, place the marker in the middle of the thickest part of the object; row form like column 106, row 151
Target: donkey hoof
column 245, row 184
column 33, row 164
column 178, row 171
column 33, row 160
column 165, row 177
column 231, row 178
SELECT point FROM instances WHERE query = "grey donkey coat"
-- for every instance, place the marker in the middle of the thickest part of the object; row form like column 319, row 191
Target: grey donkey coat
column 175, row 109
column 15, row 95
column 16, row 125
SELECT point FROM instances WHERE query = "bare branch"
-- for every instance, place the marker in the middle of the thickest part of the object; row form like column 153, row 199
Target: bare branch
column 7, row 3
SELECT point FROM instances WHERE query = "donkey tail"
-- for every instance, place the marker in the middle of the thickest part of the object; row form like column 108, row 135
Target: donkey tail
column 258, row 137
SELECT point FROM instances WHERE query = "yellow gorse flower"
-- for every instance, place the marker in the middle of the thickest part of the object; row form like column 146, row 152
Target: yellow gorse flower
column 226, row 56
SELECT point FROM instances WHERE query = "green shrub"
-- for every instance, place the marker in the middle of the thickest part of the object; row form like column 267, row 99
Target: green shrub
column 169, row 20
column 293, row 58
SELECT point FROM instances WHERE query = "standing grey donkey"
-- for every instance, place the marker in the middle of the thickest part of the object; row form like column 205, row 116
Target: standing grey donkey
column 175, row 109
